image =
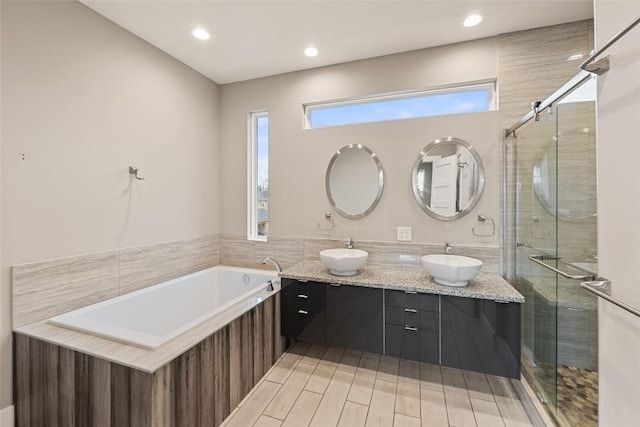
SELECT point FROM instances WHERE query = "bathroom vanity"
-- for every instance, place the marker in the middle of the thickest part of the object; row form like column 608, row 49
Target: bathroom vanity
column 401, row 312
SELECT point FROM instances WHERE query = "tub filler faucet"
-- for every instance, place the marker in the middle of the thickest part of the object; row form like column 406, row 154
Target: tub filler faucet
column 274, row 262
column 278, row 269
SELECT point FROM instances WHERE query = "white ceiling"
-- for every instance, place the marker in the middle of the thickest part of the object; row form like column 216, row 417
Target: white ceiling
column 252, row 39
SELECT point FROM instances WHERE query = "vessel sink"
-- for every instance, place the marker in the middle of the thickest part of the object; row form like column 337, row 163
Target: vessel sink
column 451, row 270
column 343, row 262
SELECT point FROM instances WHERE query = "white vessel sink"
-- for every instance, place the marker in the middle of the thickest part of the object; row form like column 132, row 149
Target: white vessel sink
column 451, row 270
column 343, row 262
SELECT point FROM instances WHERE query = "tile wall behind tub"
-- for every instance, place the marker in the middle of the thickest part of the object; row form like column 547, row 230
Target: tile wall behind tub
column 238, row 251
column 47, row 288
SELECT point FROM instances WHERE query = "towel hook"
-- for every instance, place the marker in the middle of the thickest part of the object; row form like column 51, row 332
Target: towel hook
column 134, row 171
column 483, row 218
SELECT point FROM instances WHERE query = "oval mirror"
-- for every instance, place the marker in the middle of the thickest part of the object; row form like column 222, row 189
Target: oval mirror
column 447, row 178
column 576, row 149
column 354, row 181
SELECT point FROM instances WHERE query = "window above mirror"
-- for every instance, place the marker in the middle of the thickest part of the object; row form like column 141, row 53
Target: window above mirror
column 467, row 98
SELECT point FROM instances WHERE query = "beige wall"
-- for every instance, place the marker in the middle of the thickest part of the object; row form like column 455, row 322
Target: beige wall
column 618, row 213
column 299, row 158
column 84, row 99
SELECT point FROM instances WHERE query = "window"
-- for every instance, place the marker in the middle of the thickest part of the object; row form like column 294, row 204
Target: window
column 407, row 105
column 258, row 176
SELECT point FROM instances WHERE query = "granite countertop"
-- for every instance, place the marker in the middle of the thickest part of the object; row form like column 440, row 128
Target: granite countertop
column 408, row 278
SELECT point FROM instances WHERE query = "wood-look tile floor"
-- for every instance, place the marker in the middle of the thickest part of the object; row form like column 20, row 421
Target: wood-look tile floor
column 319, row 386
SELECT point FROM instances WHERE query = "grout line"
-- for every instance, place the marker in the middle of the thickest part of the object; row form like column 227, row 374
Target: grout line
column 267, row 416
column 446, row 405
column 270, row 400
column 466, row 388
column 395, row 402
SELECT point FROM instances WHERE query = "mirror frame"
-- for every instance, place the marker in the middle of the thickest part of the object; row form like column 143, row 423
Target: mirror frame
column 476, row 196
column 374, row 157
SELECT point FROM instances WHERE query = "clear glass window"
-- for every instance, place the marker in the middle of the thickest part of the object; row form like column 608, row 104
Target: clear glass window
column 258, row 176
column 426, row 103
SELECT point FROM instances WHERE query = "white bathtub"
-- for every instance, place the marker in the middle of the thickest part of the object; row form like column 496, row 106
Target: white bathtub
column 152, row 316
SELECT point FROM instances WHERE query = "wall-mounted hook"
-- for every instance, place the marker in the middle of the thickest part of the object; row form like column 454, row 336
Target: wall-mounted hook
column 483, row 218
column 134, row 171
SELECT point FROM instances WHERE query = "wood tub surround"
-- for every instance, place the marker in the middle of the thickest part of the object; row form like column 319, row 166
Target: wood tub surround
column 56, row 386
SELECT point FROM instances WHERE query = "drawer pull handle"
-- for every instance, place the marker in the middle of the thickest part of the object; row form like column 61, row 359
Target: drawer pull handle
column 335, row 285
column 303, row 312
column 302, row 281
column 303, row 296
column 410, row 310
column 410, row 292
column 410, row 328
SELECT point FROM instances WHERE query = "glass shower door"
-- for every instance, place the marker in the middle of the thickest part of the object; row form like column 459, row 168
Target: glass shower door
column 577, row 321
column 556, row 250
column 536, row 237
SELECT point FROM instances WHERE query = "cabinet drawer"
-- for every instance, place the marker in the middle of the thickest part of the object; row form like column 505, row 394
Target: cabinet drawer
column 402, row 342
column 302, row 312
column 428, row 320
column 403, row 299
column 401, row 316
column 429, row 346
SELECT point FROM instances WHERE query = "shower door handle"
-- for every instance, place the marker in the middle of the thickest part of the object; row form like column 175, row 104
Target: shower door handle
column 538, row 259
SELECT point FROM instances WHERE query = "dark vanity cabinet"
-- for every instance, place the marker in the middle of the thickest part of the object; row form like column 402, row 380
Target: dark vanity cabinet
column 412, row 326
column 330, row 314
column 480, row 335
column 459, row 332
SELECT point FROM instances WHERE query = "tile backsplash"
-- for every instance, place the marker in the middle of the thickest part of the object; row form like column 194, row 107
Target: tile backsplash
column 47, row 288
column 237, row 250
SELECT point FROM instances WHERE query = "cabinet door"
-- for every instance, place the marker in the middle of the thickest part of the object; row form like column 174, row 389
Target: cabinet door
column 481, row 335
column 429, row 326
column 354, row 317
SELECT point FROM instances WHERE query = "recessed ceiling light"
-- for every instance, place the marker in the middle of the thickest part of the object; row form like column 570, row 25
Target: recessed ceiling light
column 311, row 51
column 576, row 56
column 201, row 34
column 472, row 20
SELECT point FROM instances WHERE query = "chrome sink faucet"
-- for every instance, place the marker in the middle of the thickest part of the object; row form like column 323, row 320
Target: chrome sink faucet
column 274, row 262
column 448, row 249
column 349, row 244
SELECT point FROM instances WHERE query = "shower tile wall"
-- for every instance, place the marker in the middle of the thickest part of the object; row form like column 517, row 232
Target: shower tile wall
column 532, row 65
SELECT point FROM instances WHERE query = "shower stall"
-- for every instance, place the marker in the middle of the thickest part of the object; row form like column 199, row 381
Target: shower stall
column 550, row 244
